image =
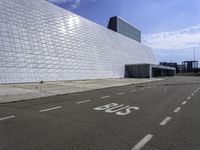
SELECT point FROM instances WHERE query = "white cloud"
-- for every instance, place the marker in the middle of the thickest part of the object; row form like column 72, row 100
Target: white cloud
column 185, row 38
column 76, row 4
column 73, row 3
column 60, row 1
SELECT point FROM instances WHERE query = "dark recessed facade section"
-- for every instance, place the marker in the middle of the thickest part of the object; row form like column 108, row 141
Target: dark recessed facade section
column 119, row 25
column 148, row 71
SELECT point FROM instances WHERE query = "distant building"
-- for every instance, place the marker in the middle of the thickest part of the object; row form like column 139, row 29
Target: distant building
column 189, row 66
column 171, row 64
column 119, row 25
column 180, row 67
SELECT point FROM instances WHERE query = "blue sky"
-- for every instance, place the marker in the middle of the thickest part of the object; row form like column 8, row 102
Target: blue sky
column 170, row 27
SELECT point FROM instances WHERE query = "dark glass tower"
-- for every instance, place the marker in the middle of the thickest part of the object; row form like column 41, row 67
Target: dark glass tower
column 119, row 25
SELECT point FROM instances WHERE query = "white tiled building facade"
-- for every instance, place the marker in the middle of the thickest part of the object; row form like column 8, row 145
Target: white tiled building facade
column 40, row 41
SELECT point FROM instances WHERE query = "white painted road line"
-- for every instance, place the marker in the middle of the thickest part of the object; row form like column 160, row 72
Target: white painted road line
column 132, row 91
column 192, row 94
column 122, row 93
column 49, row 109
column 142, row 142
column 81, row 102
column 103, row 97
column 142, row 88
column 5, row 118
column 165, row 121
column 197, row 89
column 185, row 102
column 189, row 97
column 177, row 109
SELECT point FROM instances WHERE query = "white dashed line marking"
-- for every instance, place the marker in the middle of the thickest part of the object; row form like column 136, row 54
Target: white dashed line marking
column 104, row 97
column 122, row 93
column 177, row 109
column 189, row 97
column 192, row 94
column 142, row 88
column 185, row 102
column 49, row 109
column 197, row 90
column 165, row 121
column 132, row 91
column 5, row 118
column 149, row 87
column 142, row 142
column 81, row 102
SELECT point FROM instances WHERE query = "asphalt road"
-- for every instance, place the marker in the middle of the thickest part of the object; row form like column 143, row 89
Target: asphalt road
column 162, row 115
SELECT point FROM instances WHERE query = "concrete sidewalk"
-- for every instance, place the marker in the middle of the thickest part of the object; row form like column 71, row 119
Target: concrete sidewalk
column 18, row 92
